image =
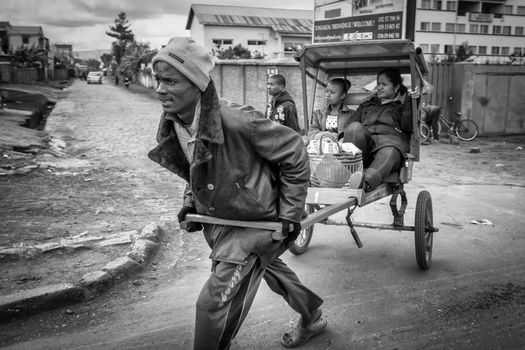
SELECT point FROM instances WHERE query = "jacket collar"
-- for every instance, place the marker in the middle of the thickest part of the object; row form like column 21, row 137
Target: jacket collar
column 210, row 126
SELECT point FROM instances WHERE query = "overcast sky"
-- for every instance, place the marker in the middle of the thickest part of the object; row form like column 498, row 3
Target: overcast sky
column 83, row 23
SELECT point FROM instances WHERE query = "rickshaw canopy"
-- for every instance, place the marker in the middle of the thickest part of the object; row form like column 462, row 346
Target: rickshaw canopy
column 360, row 57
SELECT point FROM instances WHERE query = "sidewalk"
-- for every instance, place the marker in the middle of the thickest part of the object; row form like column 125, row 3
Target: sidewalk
column 80, row 211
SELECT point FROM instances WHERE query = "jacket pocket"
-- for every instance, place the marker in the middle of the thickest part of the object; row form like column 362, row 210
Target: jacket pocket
column 248, row 196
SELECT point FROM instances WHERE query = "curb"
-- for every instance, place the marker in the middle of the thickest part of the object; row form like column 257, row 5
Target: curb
column 33, row 301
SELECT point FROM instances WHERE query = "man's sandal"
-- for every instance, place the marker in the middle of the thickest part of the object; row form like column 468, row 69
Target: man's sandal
column 301, row 335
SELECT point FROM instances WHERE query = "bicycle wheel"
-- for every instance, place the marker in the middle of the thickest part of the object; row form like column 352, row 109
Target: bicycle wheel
column 300, row 245
column 425, row 132
column 466, row 129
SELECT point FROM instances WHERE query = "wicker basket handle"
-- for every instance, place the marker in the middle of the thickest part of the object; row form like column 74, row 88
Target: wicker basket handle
column 332, row 138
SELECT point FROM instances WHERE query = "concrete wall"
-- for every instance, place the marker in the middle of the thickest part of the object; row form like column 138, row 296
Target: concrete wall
column 493, row 96
column 15, row 41
column 244, row 81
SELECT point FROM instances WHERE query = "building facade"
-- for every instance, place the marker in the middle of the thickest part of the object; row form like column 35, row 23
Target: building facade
column 493, row 30
column 27, row 36
column 64, row 52
column 266, row 32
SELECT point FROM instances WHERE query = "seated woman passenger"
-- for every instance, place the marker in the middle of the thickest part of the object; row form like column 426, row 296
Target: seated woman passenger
column 381, row 128
column 336, row 115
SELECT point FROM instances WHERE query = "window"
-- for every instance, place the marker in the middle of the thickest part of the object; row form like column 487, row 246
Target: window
column 518, row 51
column 434, row 48
column 436, row 26
column 495, row 50
column 425, row 4
column 449, row 49
column 474, row 28
column 519, row 30
column 472, row 49
column 219, row 43
column 506, row 30
column 496, row 29
column 521, row 10
column 334, row 13
column 25, row 39
column 256, row 42
column 460, row 28
column 505, row 50
column 483, row 29
column 292, row 46
column 482, row 50
column 449, row 27
column 451, row 6
column 436, row 4
column 425, row 26
column 424, row 48
column 506, row 9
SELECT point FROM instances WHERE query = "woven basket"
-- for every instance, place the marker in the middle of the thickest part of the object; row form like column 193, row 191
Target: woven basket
column 333, row 169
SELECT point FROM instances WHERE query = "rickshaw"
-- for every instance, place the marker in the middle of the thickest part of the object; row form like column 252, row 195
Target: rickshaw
column 346, row 59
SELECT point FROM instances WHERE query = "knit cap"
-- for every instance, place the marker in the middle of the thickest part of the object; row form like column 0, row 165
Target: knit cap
column 189, row 58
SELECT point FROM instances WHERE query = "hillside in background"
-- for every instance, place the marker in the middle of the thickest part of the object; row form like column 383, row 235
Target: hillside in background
column 87, row 54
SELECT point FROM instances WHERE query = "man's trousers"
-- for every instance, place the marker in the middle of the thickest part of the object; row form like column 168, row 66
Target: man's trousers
column 228, row 294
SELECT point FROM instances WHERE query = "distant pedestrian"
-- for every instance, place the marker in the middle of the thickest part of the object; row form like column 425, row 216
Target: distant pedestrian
column 430, row 114
column 116, row 79
column 281, row 108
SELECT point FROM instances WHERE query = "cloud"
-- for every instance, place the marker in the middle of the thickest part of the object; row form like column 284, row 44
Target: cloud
column 84, row 23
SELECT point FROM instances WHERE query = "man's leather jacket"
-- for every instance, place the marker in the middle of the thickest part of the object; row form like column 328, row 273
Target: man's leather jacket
column 245, row 167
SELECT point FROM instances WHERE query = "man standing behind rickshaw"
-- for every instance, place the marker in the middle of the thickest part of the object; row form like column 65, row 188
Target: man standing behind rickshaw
column 281, row 108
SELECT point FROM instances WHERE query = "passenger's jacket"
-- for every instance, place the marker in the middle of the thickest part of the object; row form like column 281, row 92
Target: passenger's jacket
column 318, row 122
column 245, row 167
column 282, row 110
column 390, row 124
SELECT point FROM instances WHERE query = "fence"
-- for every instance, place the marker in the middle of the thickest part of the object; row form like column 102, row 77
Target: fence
column 25, row 75
column 491, row 95
column 60, row 74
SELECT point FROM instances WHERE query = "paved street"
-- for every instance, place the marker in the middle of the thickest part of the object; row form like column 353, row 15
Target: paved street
column 473, row 297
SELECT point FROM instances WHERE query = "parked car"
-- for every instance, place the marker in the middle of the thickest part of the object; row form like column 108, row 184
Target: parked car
column 94, row 77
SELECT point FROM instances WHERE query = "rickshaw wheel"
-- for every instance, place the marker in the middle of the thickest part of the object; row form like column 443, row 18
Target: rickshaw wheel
column 300, row 245
column 424, row 232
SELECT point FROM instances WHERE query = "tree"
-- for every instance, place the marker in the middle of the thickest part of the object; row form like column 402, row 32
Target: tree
column 136, row 54
column 236, row 52
column 463, row 52
column 106, row 58
column 124, row 35
column 93, row 64
column 24, row 56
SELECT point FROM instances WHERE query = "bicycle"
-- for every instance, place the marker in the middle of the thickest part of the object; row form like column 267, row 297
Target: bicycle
column 465, row 129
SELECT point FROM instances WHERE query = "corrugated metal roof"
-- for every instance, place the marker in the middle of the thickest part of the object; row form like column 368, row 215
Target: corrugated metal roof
column 26, row 30
column 280, row 20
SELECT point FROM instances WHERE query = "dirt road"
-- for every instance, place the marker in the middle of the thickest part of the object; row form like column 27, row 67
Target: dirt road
column 473, row 297
column 103, row 184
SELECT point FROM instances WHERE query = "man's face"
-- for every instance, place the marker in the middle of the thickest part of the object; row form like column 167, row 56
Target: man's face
column 273, row 87
column 177, row 94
